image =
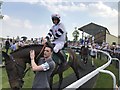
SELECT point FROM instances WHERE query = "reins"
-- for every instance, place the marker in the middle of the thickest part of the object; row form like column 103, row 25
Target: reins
column 41, row 51
column 18, row 67
column 17, row 64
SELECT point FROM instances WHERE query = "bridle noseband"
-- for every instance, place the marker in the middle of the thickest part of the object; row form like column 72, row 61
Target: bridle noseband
column 19, row 69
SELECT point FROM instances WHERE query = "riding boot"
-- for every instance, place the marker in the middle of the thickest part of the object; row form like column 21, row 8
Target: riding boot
column 62, row 58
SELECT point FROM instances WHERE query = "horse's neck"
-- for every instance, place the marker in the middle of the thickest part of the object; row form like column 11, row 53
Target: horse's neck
column 23, row 54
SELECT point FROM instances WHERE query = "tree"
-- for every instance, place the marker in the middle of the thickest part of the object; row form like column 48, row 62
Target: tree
column 75, row 34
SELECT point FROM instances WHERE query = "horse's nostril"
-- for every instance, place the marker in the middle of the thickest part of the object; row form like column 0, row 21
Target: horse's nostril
column 16, row 88
column 22, row 84
column 22, row 81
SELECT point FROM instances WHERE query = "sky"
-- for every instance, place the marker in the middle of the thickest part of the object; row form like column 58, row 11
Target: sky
column 32, row 18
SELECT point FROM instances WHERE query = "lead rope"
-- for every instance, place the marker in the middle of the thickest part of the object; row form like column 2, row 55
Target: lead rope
column 41, row 51
column 36, row 59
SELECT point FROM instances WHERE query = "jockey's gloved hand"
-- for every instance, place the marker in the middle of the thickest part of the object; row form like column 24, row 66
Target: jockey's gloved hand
column 44, row 40
column 48, row 43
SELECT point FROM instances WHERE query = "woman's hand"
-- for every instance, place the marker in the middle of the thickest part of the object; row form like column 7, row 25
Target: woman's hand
column 32, row 54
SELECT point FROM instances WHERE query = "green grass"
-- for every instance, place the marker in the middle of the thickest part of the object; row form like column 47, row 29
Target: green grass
column 103, row 80
column 29, row 78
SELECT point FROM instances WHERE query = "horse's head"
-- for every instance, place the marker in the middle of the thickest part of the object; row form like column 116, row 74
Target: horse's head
column 14, row 72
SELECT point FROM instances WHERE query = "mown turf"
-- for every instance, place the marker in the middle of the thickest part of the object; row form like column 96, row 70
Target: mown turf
column 103, row 81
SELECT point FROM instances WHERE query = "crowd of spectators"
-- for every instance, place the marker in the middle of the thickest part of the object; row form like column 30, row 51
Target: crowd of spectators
column 113, row 49
column 12, row 44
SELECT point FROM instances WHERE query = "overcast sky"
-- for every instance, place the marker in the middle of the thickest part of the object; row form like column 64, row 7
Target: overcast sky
column 32, row 18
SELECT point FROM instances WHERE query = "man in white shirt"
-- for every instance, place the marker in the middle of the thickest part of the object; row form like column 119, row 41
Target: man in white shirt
column 93, row 54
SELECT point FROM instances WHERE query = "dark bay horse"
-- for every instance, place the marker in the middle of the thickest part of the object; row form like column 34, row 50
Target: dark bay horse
column 84, row 52
column 15, row 64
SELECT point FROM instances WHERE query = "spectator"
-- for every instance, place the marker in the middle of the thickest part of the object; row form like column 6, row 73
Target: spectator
column 93, row 38
column 7, row 45
column 93, row 54
column 86, row 40
column 13, row 47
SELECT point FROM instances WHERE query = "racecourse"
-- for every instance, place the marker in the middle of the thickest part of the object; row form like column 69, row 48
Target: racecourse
column 101, row 81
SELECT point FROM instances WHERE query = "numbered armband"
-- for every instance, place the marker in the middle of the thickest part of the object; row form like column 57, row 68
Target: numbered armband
column 45, row 66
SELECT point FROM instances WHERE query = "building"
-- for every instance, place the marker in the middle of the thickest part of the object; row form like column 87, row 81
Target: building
column 100, row 33
column 111, row 38
column 119, row 39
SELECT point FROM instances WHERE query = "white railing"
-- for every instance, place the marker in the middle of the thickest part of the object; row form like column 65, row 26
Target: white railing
column 87, row 77
column 118, row 71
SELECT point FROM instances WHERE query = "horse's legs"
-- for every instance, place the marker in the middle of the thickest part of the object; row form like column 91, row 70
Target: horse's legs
column 75, row 69
column 81, row 57
column 86, row 59
column 60, row 80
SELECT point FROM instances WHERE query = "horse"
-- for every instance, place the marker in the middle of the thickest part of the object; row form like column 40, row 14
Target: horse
column 15, row 64
column 84, row 52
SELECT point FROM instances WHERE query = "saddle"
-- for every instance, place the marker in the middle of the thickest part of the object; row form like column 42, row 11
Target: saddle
column 57, row 59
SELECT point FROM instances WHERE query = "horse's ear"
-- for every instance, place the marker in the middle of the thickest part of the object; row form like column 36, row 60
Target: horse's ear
column 5, row 55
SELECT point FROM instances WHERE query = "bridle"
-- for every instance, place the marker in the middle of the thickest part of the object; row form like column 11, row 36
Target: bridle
column 19, row 69
column 41, row 51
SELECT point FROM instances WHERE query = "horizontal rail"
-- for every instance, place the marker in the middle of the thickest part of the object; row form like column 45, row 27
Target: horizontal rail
column 113, row 76
column 87, row 77
column 119, row 69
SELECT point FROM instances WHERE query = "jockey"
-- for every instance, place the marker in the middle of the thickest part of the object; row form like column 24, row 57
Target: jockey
column 59, row 36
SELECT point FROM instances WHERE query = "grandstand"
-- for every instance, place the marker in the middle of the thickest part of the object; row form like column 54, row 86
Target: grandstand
column 100, row 33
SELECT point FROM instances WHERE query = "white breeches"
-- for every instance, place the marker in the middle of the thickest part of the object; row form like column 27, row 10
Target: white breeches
column 58, row 46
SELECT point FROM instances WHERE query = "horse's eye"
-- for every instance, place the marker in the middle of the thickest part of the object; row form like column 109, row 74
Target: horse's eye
column 10, row 67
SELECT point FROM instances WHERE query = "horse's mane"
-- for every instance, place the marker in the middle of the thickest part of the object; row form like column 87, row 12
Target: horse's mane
column 26, row 46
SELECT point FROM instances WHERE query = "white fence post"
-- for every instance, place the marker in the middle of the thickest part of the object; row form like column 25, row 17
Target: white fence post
column 119, row 69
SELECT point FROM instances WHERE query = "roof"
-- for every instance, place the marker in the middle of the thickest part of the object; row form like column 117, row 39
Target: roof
column 93, row 29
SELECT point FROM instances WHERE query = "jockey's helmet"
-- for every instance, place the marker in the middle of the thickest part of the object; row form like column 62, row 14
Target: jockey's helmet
column 55, row 16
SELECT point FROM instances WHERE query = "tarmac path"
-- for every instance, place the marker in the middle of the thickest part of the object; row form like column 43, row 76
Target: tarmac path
column 84, row 71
